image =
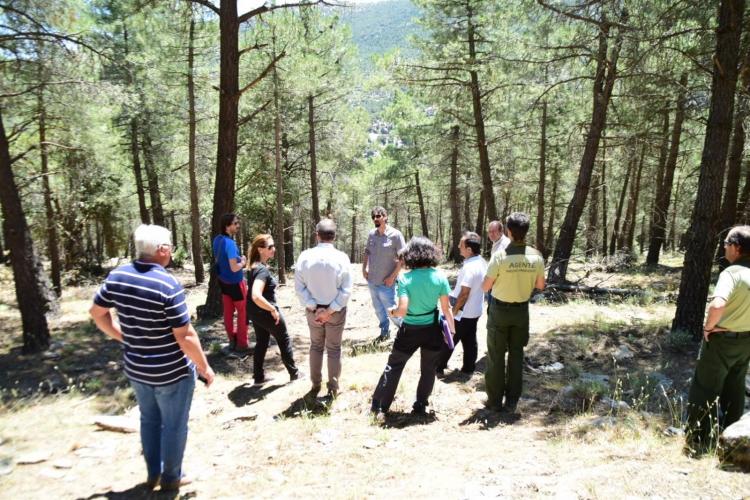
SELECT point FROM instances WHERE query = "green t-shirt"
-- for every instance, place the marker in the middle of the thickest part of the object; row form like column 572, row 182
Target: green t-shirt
column 734, row 287
column 423, row 286
column 515, row 271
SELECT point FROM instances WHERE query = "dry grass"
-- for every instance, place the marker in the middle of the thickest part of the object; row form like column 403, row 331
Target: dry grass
column 250, row 442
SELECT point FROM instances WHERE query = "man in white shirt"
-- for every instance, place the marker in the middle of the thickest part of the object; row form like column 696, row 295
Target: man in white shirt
column 496, row 233
column 323, row 283
column 467, row 298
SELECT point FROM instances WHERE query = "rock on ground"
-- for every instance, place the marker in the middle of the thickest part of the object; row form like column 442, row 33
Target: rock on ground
column 734, row 444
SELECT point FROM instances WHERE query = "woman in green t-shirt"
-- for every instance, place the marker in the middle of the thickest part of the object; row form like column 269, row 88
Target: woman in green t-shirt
column 419, row 292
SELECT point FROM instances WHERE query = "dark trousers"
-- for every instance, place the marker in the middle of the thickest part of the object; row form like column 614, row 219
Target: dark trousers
column 507, row 332
column 428, row 339
column 719, row 378
column 466, row 333
column 265, row 327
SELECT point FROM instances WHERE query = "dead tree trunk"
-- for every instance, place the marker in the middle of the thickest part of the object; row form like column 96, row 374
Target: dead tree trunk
column 701, row 235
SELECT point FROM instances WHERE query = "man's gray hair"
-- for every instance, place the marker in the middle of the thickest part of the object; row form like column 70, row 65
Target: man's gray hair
column 149, row 237
column 326, row 230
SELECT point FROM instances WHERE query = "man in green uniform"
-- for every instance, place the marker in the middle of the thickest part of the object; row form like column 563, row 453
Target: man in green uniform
column 512, row 276
column 725, row 351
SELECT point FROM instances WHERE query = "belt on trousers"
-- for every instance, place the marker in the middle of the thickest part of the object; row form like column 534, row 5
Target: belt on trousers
column 322, row 306
column 736, row 335
column 508, row 304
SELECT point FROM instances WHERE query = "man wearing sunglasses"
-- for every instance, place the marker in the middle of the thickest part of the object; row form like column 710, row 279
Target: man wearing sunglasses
column 380, row 268
column 717, row 391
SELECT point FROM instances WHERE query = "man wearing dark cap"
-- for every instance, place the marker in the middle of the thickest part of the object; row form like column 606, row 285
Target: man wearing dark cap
column 717, row 391
column 512, row 276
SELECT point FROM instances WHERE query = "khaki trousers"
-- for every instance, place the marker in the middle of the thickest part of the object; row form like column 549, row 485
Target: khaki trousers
column 326, row 338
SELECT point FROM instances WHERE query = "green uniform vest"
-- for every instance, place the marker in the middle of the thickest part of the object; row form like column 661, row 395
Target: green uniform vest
column 734, row 287
column 515, row 271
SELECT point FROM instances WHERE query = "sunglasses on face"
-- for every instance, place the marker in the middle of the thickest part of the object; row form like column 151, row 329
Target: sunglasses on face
column 377, row 216
column 269, row 247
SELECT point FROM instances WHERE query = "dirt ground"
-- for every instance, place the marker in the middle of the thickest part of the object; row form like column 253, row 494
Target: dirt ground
column 266, row 442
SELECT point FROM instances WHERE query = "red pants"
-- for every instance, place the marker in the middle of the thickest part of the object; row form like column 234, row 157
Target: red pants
column 240, row 333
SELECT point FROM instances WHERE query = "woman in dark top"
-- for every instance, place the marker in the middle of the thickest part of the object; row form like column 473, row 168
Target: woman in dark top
column 419, row 292
column 263, row 311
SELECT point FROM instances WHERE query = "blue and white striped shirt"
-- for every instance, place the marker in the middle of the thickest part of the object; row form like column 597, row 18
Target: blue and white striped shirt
column 150, row 302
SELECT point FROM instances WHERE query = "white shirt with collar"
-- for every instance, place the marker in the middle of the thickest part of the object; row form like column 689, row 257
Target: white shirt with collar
column 323, row 276
column 471, row 275
column 501, row 244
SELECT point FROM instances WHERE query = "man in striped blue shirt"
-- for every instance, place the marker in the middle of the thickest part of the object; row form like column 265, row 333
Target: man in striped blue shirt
column 161, row 350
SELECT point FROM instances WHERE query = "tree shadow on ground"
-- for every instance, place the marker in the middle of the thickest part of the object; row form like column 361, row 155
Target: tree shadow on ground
column 248, row 394
column 80, row 357
column 140, row 492
column 489, row 419
column 401, row 420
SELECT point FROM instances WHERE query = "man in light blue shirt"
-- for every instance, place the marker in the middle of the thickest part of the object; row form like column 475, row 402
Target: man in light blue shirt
column 323, row 282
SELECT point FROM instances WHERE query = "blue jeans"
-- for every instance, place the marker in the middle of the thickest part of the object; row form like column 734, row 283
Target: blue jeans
column 384, row 298
column 164, row 426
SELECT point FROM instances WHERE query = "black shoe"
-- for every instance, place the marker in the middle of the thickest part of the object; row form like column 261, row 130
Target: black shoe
column 383, row 337
column 440, row 373
column 298, row 375
column 510, row 407
column 419, row 409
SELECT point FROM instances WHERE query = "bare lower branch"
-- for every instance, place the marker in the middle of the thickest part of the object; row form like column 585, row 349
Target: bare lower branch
column 252, row 115
column 268, row 8
column 207, row 4
column 263, row 74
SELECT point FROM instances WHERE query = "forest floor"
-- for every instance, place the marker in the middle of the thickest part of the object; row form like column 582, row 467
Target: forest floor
column 595, row 427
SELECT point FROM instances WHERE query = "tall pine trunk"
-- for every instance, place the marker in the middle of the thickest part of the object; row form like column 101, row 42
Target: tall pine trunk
column 50, row 219
column 422, row 212
column 604, row 81
column 32, row 292
column 476, row 104
column 664, row 189
column 279, row 236
column 702, row 233
column 152, row 176
column 137, row 172
column 618, row 211
column 455, row 202
column 540, row 243
column 195, row 221
column 313, row 166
